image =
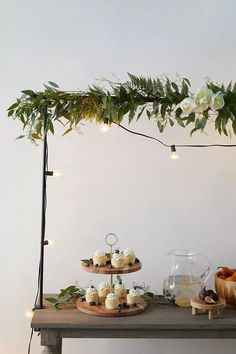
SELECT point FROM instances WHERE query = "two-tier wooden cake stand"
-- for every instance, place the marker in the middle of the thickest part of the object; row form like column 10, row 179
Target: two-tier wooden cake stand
column 83, row 306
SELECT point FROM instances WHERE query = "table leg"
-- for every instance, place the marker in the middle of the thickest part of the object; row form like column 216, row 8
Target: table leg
column 194, row 310
column 50, row 350
column 51, row 341
column 59, row 346
column 210, row 314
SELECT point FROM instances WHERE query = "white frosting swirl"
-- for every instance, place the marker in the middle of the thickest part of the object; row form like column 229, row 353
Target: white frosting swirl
column 119, row 286
column 112, row 296
column 128, row 252
column 118, row 256
column 134, row 292
column 99, row 253
column 91, row 291
column 103, row 286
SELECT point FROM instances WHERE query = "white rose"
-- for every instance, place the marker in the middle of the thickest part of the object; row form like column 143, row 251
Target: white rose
column 203, row 97
column 217, row 101
column 188, row 105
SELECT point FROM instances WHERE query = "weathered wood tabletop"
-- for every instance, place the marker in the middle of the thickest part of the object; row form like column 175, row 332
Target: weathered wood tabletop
column 158, row 321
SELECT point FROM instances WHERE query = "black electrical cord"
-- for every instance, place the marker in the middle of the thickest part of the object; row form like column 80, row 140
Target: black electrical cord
column 144, row 135
column 176, row 145
column 40, row 260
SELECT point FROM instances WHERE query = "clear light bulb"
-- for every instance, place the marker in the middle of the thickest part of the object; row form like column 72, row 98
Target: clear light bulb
column 29, row 313
column 57, row 173
column 174, row 155
column 104, row 127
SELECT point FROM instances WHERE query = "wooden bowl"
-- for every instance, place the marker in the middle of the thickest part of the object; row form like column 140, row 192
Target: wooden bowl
column 226, row 289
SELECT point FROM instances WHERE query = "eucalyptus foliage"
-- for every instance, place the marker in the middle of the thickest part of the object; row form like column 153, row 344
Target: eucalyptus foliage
column 158, row 98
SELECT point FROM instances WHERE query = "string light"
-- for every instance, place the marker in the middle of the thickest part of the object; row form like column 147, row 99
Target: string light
column 29, row 313
column 104, row 127
column 176, row 145
column 49, row 243
column 53, row 173
column 174, row 155
column 57, row 173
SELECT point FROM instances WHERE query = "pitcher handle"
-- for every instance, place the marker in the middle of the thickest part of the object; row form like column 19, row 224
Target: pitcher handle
column 207, row 273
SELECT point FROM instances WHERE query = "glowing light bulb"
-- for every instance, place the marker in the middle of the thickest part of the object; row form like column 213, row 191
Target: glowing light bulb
column 104, row 127
column 174, row 155
column 57, row 173
column 49, row 243
column 29, row 313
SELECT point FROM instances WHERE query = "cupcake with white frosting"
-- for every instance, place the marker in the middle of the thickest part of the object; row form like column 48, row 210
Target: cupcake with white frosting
column 104, row 289
column 120, row 290
column 111, row 301
column 91, row 294
column 118, row 260
column 129, row 256
column 99, row 258
column 133, row 297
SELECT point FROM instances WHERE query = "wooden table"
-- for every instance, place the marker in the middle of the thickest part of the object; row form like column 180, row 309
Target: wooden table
column 158, row 321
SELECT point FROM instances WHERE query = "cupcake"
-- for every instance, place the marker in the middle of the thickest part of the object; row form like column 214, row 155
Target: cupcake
column 129, row 256
column 111, row 301
column 99, row 258
column 133, row 296
column 118, row 260
column 91, row 294
column 120, row 290
column 104, row 289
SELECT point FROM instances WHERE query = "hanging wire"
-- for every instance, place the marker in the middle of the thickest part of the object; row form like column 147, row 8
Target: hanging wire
column 176, row 145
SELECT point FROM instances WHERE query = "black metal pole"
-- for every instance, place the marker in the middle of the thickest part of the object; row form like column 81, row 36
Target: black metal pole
column 43, row 219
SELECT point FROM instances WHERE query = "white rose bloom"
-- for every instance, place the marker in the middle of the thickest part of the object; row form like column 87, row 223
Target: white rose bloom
column 217, row 101
column 203, row 97
column 188, row 105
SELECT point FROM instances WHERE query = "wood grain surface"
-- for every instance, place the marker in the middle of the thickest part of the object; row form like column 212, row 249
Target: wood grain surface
column 103, row 311
column 106, row 270
column 201, row 305
column 157, row 321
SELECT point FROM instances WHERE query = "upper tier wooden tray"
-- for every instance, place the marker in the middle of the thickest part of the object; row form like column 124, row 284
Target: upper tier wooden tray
column 104, row 312
column 106, row 270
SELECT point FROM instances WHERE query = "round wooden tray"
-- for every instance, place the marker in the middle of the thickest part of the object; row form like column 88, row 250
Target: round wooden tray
column 106, row 270
column 85, row 307
column 198, row 304
column 201, row 305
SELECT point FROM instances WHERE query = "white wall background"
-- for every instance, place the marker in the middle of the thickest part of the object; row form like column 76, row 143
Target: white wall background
column 115, row 181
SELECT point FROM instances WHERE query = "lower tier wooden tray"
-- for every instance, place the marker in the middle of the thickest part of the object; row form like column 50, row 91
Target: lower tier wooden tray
column 85, row 307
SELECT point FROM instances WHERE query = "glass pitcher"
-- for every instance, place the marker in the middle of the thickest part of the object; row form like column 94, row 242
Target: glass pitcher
column 188, row 276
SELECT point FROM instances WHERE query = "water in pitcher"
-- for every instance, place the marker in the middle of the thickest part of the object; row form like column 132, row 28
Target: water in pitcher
column 180, row 289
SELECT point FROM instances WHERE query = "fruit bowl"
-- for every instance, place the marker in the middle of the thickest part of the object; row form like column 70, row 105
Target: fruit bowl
column 226, row 289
